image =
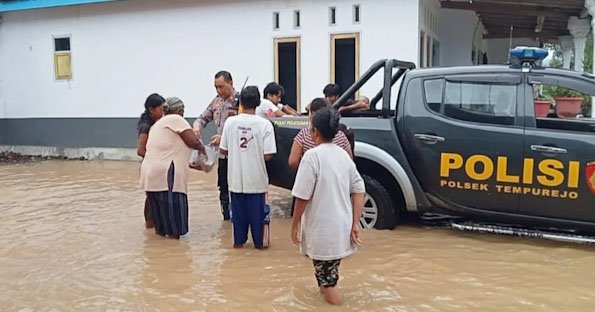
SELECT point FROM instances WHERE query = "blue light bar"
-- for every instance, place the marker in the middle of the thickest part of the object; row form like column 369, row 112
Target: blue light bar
column 529, row 53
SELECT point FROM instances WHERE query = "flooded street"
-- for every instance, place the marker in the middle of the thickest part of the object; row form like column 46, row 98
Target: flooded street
column 72, row 238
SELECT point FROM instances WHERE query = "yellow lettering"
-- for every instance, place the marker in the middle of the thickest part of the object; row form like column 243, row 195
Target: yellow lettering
column 573, row 195
column 499, row 188
column 449, row 161
column 550, row 168
column 573, row 174
column 488, row 167
column 501, row 174
column 564, row 194
column 555, row 193
column 452, row 184
column 545, row 192
column 483, row 187
column 507, row 189
column 443, row 182
column 517, row 190
column 528, row 165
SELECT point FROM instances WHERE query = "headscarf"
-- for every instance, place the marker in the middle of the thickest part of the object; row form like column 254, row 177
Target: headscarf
column 173, row 104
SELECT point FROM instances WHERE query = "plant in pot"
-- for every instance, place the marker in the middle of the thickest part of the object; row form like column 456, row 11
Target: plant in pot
column 568, row 101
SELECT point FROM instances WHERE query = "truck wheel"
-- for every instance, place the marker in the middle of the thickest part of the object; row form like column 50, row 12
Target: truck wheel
column 379, row 211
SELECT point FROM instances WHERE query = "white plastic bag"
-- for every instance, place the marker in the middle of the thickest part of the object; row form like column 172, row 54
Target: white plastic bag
column 205, row 162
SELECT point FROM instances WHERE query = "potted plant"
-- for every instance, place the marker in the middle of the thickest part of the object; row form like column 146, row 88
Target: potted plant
column 568, row 101
column 542, row 106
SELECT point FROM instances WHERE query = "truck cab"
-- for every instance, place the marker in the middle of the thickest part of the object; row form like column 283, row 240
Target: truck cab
column 471, row 142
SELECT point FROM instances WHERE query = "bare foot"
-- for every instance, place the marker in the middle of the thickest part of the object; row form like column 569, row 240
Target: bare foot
column 238, row 246
column 332, row 296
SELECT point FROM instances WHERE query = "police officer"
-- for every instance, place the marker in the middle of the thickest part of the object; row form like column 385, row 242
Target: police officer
column 221, row 107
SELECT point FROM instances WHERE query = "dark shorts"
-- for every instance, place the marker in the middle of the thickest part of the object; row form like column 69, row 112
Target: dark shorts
column 327, row 272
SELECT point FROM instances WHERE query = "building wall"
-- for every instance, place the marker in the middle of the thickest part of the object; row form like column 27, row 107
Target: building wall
column 460, row 32
column 122, row 51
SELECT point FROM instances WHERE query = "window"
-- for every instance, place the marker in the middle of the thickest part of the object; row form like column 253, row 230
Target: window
column 332, row 16
column 433, row 90
column 296, row 19
column 480, row 102
column 62, row 58
column 275, row 20
column 356, row 13
column 559, row 106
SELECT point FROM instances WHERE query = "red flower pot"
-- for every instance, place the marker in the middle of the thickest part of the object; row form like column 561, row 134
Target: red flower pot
column 568, row 106
column 542, row 108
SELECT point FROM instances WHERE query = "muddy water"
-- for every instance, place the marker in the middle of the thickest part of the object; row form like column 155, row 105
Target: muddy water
column 72, row 238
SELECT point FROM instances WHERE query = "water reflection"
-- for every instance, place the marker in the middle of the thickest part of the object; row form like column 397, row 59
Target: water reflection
column 72, row 237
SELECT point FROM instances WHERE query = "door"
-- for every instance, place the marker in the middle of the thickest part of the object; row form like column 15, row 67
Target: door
column 344, row 59
column 465, row 140
column 560, row 153
column 287, row 69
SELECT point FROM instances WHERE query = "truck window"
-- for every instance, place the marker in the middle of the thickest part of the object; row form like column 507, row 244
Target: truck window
column 490, row 103
column 559, row 107
column 433, row 89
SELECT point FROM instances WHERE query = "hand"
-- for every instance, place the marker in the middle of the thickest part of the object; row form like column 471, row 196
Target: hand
column 201, row 149
column 295, row 235
column 215, row 140
column 195, row 166
column 355, row 231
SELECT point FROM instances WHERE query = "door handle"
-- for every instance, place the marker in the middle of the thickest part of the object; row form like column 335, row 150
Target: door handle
column 548, row 149
column 429, row 138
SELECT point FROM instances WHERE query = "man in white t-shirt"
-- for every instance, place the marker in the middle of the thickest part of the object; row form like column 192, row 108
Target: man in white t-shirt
column 248, row 141
column 269, row 106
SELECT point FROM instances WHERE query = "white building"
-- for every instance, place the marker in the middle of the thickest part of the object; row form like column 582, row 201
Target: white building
column 74, row 74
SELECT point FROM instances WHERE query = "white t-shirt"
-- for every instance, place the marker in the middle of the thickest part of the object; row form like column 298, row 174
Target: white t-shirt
column 327, row 177
column 266, row 109
column 247, row 138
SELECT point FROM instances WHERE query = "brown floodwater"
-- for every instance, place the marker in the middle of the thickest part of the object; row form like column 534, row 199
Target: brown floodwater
column 72, row 238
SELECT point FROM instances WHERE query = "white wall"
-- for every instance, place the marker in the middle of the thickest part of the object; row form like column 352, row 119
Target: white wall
column 125, row 50
column 499, row 49
column 457, row 36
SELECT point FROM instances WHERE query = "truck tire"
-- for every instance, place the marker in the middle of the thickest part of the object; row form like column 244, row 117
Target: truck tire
column 380, row 201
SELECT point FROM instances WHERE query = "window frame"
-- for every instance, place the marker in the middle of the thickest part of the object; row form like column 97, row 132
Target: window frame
column 64, row 53
column 494, row 79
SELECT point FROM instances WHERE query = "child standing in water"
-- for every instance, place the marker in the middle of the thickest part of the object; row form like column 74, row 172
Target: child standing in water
column 248, row 141
column 326, row 183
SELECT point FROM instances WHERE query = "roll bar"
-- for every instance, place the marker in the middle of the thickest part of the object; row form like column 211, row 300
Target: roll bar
column 389, row 80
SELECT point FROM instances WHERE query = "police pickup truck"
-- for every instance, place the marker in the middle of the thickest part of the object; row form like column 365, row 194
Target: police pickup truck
column 469, row 142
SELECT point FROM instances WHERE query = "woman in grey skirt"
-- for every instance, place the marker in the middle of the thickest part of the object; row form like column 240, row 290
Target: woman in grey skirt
column 164, row 171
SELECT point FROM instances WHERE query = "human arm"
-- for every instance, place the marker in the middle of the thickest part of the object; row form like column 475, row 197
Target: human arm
column 358, row 191
column 295, row 156
column 303, row 189
column 362, row 104
column 269, row 144
column 192, row 141
column 300, row 207
column 201, row 122
column 289, row 110
column 224, row 143
column 141, row 147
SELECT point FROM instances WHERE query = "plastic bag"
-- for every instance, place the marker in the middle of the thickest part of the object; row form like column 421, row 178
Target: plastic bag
column 205, row 162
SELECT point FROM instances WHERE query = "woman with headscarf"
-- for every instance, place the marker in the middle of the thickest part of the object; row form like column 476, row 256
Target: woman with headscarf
column 164, row 171
column 153, row 111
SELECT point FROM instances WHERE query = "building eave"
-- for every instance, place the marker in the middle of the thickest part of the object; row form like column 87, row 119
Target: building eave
column 19, row 5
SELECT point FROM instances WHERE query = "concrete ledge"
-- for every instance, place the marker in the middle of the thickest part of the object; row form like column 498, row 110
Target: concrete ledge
column 89, row 153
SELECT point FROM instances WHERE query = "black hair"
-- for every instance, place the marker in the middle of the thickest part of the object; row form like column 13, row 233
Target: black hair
column 225, row 74
column 152, row 101
column 250, row 97
column 326, row 121
column 272, row 88
column 317, row 104
column 332, row 89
